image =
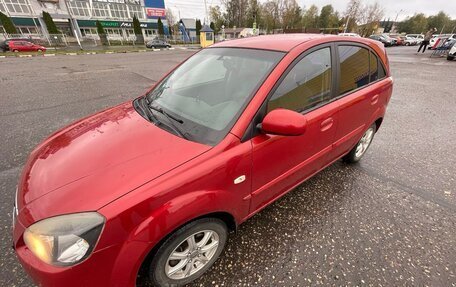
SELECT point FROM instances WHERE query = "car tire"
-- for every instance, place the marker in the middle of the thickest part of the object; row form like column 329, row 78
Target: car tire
column 206, row 232
column 450, row 58
column 39, row 50
column 407, row 44
column 362, row 146
column 15, row 51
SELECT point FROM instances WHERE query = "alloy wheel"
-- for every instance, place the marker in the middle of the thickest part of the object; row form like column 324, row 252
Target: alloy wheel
column 364, row 143
column 192, row 254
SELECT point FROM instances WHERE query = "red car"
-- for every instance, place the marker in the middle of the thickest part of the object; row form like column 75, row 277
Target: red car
column 25, row 46
column 150, row 189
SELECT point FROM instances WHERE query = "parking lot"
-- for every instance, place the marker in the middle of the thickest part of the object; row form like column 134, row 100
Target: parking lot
column 387, row 221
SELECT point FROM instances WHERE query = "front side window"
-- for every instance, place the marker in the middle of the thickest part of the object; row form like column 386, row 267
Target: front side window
column 354, row 68
column 307, row 85
column 209, row 91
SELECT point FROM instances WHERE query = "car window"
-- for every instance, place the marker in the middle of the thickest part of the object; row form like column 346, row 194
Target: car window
column 373, row 67
column 208, row 71
column 308, row 83
column 210, row 90
column 354, row 68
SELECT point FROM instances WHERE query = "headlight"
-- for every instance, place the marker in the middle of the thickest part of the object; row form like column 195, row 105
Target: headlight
column 64, row 240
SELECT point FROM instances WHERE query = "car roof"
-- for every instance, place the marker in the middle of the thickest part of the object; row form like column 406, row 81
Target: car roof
column 278, row 42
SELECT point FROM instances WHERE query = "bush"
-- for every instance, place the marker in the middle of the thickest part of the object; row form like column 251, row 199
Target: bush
column 136, row 26
column 100, row 28
column 7, row 24
column 50, row 25
column 161, row 29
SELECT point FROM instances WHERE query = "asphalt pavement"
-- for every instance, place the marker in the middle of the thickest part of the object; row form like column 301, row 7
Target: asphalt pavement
column 387, row 221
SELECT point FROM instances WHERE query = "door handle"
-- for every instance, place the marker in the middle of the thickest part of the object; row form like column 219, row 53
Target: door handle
column 326, row 124
column 374, row 99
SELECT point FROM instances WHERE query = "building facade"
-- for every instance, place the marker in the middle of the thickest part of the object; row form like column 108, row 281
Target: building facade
column 78, row 17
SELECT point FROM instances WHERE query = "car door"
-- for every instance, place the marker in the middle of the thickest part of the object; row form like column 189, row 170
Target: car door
column 282, row 162
column 358, row 99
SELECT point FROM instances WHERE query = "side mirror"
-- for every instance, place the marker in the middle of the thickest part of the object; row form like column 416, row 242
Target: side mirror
column 284, row 122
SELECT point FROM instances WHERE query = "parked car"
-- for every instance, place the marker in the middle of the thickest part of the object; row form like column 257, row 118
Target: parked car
column 152, row 187
column 4, row 45
column 399, row 40
column 387, row 42
column 452, row 52
column 349, row 34
column 25, row 46
column 392, row 40
column 154, row 44
column 419, row 37
column 409, row 41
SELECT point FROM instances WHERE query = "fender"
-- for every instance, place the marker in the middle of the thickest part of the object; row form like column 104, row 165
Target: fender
column 162, row 222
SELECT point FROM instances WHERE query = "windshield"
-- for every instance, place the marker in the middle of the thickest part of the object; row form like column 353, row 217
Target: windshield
column 209, row 91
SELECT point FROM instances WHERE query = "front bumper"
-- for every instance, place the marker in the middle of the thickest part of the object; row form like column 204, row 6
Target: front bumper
column 115, row 265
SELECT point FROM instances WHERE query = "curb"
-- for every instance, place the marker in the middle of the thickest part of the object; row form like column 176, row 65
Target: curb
column 93, row 53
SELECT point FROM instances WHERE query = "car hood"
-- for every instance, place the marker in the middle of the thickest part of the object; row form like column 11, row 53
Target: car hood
column 97, row 160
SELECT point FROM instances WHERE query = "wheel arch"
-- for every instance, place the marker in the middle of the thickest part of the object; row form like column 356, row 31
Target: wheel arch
column 226, row 217
column 378, row 123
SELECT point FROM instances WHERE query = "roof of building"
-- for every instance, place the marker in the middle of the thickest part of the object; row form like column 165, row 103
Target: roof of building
column 280, row 42
column 206, row 28
column 189, row 23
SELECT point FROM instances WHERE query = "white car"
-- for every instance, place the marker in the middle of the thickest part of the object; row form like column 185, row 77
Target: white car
column 349, row 35
column 409, row 41
column 419, row 37
column 452, row 53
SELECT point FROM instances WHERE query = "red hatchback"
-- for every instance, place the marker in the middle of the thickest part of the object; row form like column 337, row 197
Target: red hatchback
column 25, row 46
column 151, row 188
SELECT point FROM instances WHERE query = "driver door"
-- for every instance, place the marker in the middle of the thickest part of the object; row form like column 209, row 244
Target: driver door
column 282, row 162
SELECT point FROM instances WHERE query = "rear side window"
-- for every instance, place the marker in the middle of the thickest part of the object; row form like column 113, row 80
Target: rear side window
column 354, row 68
column 377, row 71
column 307, row 85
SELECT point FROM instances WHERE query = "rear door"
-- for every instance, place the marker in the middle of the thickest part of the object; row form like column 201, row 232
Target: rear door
column 360, row 71
column 282, row 162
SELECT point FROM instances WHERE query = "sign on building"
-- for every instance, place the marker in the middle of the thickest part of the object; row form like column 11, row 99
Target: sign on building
column 155, row 9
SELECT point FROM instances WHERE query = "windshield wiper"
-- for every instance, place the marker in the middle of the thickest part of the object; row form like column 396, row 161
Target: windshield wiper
column 170, row 119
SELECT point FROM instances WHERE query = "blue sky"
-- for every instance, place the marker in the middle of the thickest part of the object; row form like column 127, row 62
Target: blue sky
column 195, row 8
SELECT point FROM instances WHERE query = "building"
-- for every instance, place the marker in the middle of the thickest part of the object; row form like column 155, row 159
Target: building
column 78, row 17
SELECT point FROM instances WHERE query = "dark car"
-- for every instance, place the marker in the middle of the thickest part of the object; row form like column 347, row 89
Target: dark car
column 157, row 44
column 386, row 42
column 4, row 45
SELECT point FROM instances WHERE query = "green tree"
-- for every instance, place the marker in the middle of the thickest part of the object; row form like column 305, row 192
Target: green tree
column 161, row 29
column 7, row 24
column 198, row 27
column 325, row 20
column 216, row 16
column 100, row 28
column 440, row 21
column 291, row 14
column 50, row 25
column 416, row 24
column 136, row 26
column 212, row 25
column 310, row 18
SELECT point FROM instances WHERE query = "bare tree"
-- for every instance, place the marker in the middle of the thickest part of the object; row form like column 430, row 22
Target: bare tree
column 370, row 17
column 352, row 14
